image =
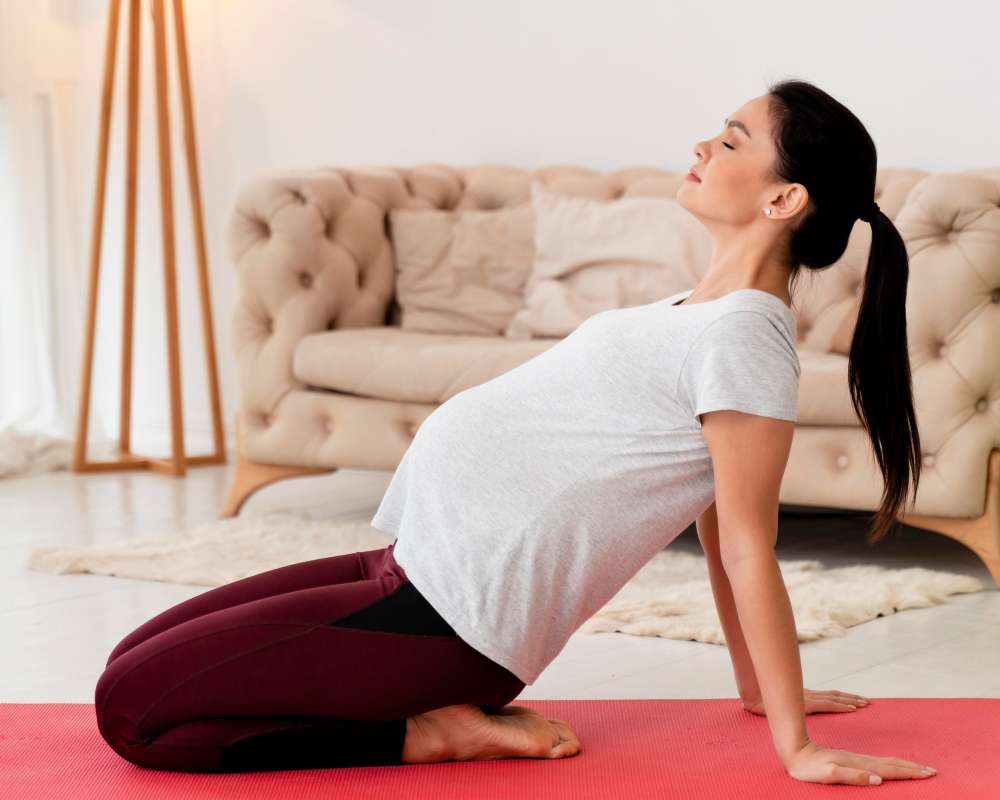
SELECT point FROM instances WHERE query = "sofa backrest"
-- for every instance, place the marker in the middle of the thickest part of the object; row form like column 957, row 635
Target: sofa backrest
column 313, row 250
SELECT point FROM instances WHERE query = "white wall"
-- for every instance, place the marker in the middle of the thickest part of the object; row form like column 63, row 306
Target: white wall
column 283, row 85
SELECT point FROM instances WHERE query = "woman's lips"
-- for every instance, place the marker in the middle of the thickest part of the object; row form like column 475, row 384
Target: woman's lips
column 692, row 177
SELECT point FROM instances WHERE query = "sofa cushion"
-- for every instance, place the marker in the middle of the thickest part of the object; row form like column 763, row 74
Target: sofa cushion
column 844, row 335
column 461, row 271
column 824, row 397
column 410, row 366
column 592, row 255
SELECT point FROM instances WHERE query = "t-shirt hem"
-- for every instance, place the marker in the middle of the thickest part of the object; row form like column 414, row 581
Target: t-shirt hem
column 466, row 632
column 749, row 408
column 381, row 522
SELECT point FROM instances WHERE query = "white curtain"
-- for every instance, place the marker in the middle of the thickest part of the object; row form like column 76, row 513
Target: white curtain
column 41, row 259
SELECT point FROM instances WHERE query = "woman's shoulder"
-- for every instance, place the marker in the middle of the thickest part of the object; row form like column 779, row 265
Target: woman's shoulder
column 750, row 329
column 733, row 319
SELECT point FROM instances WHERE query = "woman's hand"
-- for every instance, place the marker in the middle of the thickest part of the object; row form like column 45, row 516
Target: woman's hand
column 825, row 700
column 815, row 764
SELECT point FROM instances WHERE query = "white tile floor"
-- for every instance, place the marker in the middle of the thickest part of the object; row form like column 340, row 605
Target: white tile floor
column 58, row 630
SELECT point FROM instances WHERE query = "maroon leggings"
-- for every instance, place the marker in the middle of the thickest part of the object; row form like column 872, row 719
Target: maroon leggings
column 316, row 664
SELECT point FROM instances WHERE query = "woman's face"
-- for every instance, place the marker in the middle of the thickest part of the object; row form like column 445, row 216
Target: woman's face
column 735, row 170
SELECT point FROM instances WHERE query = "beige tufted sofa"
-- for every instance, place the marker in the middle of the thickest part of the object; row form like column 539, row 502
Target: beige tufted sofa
column 316, row 274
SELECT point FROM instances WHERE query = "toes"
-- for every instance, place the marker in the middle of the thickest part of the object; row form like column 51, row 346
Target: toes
column 564, row 749
column 566, row 733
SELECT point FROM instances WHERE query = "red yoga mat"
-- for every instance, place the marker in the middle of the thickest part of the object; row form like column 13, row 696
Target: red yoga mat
column 631, row 749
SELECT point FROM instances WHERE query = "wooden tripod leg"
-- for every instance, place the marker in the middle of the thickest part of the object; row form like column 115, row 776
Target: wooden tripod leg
column 86, row 368
column 177, row 464
column 194, row 183
column 131, row 180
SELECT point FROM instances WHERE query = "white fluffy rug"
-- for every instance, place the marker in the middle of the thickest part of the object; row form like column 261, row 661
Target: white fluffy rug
column 24, row 453
column 28, row 453
column 671, row 596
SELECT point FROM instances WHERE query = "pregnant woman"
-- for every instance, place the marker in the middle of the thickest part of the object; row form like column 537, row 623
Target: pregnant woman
column 525, row 503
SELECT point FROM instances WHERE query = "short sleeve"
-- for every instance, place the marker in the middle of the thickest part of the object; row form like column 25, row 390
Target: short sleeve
column 742, row 361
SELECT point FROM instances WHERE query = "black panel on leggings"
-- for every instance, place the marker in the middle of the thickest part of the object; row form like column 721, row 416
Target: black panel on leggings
column 403, row 610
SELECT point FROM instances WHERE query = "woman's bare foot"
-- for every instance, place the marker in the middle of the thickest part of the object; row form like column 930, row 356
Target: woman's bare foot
column 466, row 733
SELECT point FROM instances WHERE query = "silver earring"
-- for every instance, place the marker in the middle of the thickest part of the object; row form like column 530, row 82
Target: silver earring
column 767, row 211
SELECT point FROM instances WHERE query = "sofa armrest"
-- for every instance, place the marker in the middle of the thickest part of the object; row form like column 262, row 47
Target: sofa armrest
column 951, row 226
column 312, row 253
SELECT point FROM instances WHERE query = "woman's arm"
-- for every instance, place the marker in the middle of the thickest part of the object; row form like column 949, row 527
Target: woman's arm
column 725, row 603
column 749, row 454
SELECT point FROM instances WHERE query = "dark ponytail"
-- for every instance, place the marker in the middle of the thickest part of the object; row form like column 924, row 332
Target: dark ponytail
column 878, row 371
column 822, row 145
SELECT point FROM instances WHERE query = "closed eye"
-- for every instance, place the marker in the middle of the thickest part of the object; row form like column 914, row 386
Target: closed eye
column 729, row 146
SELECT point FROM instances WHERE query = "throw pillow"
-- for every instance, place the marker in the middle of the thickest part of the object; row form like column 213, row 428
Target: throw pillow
column 592, row 255
column 461, row 272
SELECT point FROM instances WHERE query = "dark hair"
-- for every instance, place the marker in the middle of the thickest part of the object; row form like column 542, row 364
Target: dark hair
column 824, row 146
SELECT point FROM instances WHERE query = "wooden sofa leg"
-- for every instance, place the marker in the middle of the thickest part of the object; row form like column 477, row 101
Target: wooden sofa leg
column 981, row 535
column 249, row 476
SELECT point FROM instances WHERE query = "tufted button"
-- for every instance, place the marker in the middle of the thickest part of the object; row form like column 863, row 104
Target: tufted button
column 981, row 404
column 305, row 279
column 928, row 460
column 842, row 461
column 995, row 296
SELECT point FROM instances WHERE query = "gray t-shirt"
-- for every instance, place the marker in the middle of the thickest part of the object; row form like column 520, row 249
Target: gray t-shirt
column 523, row 504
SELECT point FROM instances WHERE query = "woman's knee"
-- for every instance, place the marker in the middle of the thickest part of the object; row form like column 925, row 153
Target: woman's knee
column 112, row 719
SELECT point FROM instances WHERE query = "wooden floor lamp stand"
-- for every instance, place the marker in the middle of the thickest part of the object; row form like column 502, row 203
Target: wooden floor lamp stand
column 178, row 462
